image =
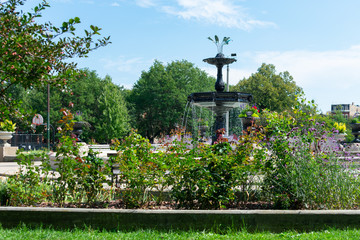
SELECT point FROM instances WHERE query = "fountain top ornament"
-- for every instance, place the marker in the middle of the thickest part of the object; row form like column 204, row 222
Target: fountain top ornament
column 219, row 61
column 219, row 44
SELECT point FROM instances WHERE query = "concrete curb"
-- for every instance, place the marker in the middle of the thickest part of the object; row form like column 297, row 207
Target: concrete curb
column 112, row 219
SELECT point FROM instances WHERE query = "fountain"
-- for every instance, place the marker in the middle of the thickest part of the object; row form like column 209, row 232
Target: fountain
column 219, row 102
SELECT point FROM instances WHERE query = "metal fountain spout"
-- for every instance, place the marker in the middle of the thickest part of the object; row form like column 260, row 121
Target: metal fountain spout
column 219, row 61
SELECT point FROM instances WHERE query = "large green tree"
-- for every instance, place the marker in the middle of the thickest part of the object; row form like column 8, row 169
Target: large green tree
column 35, row 54
column 113, row 120
column 158, row 98
column 99, row 100
column 276, row 92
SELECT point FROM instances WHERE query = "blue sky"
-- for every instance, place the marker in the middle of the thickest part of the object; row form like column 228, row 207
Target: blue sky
column 318, row 42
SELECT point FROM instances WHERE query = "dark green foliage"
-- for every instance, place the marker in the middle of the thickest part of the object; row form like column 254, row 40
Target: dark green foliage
column 291, row 162
column 159, row 96
column 222, row 148
column 207, row 184
column 80, row 177
column 31, row 184
column 100, row 102
column 113, row 121
column 304, row 169
column 4, row 194
column 34, row 54
column 276, row 92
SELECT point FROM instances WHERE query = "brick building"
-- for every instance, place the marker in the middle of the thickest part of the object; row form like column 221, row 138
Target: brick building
column 348, row 110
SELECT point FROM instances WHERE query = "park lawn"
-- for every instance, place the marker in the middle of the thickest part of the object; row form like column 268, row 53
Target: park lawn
column 24, row 233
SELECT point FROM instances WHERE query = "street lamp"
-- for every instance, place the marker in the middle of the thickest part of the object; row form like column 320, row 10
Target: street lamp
column 227, row 89
column 48, row 117
column 227, row 73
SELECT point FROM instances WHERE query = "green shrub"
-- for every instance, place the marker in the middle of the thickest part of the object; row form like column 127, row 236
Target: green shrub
column 209, row 183
column 81, row 178
column 138, row 169
column 303, row 171
column 4, row 194
column 31, row 185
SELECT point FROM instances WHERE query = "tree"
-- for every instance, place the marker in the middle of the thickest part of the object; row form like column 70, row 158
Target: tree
column 159, row 97
column 89, row 95
column 34, row 55
column 113, row 120
column 276, row 92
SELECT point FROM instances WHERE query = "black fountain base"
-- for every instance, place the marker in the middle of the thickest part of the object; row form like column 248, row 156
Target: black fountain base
column 220, row 103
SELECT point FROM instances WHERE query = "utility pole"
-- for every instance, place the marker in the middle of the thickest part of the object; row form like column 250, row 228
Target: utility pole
column 48, row 117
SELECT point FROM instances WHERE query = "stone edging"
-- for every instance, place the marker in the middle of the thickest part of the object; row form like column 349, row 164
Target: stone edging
column 111, row 219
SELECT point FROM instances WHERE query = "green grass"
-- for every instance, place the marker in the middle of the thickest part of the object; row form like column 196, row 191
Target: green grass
column 24, row 233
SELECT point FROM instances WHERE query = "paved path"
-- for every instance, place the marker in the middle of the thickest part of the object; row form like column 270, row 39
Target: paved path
column 10, row 168
column 7, row 168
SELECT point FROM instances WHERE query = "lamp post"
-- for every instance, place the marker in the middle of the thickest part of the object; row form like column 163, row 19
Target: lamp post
column 48, row 117
column 228, row 89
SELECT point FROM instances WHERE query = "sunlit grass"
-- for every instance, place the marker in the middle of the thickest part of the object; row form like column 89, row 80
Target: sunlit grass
column 87, row 234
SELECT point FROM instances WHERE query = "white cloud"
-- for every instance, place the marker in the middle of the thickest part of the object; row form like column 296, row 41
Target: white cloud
column 122, row 64
column 88, row 1
column 328, row 77
column 311, row 69
column 125, row 71
column 115, row 4
column 145, row 3
column 224, row 13
column 220, row 12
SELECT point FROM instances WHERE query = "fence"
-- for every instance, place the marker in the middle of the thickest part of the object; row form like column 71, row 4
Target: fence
column 28, row 141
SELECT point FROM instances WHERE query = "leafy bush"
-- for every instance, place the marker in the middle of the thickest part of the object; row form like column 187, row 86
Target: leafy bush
column 138, row 168
column 4, row 194
column 292, row 159
column 250, row 155
column 303, row 169
column 80, row 177
column 209, row 183
column 7, row 125
column 31, row 184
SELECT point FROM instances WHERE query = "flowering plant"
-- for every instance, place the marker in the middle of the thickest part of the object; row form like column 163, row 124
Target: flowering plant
column 249, row 112
column 8, row 126
column 355, row 119
column 341, row 127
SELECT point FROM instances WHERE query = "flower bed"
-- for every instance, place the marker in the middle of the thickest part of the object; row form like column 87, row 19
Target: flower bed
column 291, row 163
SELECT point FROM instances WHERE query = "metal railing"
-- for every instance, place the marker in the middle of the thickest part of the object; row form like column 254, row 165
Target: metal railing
column 28, row 142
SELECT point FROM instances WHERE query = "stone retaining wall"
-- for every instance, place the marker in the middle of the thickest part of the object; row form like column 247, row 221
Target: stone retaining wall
column 110, row 219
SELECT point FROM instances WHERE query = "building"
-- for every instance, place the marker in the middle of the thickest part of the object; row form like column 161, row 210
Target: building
column 348, row 110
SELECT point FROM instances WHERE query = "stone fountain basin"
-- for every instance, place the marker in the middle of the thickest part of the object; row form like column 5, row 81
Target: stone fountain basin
column 220, row 101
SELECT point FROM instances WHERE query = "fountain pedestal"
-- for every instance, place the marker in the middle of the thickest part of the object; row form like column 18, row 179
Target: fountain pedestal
column 7, row 152
column 219, row 61
column 220, row 103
